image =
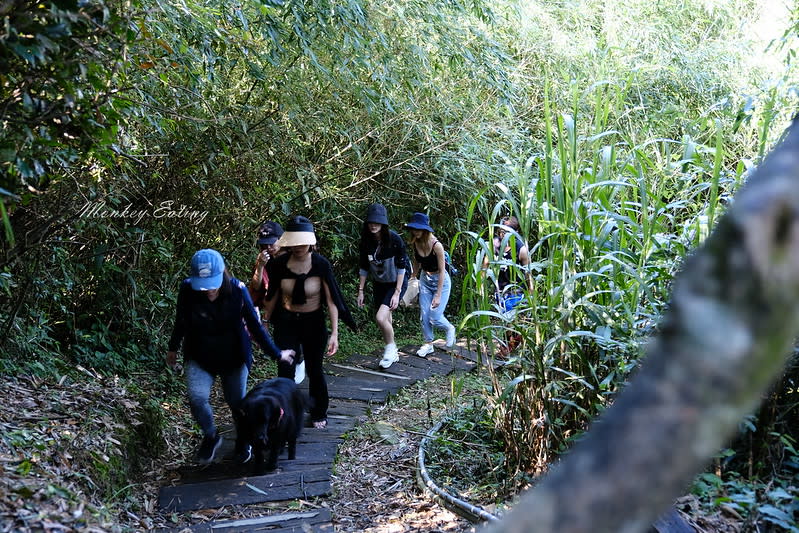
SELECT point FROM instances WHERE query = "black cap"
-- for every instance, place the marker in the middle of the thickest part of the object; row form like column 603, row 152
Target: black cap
column 269, row 232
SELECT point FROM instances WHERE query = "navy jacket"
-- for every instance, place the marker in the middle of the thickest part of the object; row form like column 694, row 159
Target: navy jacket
column 220, row 342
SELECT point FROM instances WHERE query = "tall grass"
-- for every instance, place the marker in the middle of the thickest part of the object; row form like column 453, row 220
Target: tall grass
column 607, row 221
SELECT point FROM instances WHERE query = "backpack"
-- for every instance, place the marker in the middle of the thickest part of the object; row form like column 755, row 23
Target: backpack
column 451, row 270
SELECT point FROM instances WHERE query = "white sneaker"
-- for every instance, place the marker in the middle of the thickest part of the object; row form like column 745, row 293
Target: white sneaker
column 425, row 350
column 299, row 372
column 390, row 356
column 451, row 337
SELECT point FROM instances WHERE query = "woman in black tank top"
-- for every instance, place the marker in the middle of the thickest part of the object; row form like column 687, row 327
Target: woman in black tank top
column 434, row 282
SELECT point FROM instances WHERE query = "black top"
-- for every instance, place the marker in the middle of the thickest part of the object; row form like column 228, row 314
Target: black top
column 381, row 252
column 213, row 333
column 278, row 270
column 429, row 263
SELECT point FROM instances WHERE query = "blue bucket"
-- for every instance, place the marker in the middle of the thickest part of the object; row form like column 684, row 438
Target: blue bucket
column 509, row 302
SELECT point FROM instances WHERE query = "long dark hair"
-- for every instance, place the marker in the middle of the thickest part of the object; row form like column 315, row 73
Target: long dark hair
column 224, row 289
column 385, row 235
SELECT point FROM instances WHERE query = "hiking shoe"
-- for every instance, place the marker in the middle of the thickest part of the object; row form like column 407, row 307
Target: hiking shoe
column 243, row 454
column 208, row 448
column 451, row 337
column 390, row 356
column 299, row 372
column 425, row 350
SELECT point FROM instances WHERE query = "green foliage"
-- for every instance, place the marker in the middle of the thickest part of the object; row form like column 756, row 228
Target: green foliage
column 227, row 115
column 607, row 222
column 57, row 64
column 771, row 504
column 470, row 433
column 135, row 133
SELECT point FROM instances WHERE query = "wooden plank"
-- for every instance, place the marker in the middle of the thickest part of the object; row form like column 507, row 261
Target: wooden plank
column 435, row 363
column 344, row 389
column 455, row 357
column 247, row 490
column 464, row 351
column 365, row 381
column 343, row 408
column 311, row 455
column 311, row 520
column 401, row 368
column 360, row 371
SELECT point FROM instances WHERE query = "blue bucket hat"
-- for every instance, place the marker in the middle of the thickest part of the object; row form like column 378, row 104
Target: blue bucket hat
column 419, row 221
column 207, row 267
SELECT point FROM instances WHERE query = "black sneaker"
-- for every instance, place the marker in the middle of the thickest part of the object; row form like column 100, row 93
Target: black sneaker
column 208, row 448
column 243, row 454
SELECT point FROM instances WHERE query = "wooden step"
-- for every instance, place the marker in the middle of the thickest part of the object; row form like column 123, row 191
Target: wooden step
column 278, row 486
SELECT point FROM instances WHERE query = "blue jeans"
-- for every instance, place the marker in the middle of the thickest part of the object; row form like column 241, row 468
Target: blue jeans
column 428, row 285
column 198, row 385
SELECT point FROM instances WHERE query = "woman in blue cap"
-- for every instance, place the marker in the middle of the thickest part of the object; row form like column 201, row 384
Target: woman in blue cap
column 434, row 282
column 212, row 309
column 301, row 287
column 382, row 258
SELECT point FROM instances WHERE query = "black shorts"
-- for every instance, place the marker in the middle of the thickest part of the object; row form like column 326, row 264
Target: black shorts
column 383, row 292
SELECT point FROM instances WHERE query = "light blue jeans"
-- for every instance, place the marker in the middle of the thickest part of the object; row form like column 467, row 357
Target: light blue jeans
column 428, row 285
column 198, row 385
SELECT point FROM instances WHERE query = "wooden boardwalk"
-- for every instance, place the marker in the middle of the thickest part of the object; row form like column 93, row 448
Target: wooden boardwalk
column 354, row 386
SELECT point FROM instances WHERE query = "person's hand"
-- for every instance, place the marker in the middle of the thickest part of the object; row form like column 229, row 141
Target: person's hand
column 172, row 360
column 287, row 356
column 436, row 301
column 263, row 258
column 360, row 298
column 332, row 344
column 394, row 301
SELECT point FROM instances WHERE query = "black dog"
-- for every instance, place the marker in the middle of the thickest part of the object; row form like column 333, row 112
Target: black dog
column 270, row 416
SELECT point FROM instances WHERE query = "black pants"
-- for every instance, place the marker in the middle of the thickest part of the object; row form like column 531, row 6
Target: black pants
column 305, row 333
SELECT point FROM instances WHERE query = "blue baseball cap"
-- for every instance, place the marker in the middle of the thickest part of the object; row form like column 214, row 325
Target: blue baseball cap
column 207, row 267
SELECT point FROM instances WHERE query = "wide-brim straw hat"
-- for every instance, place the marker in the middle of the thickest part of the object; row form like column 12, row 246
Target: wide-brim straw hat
column 298, row 232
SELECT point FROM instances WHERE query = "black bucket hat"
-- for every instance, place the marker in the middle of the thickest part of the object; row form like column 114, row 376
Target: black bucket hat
column 376, row 213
